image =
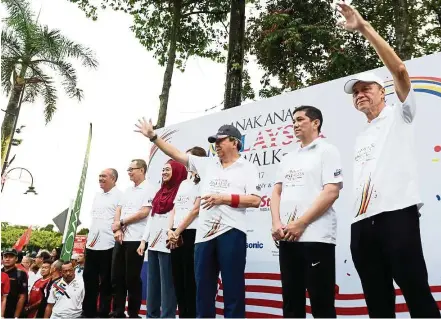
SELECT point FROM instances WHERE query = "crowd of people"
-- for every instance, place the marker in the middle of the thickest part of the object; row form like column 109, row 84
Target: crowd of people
column 194, row 226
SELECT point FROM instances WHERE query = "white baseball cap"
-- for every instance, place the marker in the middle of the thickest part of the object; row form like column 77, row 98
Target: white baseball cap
column 362, row 77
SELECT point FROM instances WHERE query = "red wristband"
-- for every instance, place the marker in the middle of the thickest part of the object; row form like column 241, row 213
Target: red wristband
column 235, row 200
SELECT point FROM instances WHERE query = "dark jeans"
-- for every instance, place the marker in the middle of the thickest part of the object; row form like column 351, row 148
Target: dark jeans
column 387, row 247
column 227, row 254
column 183, row 275
column 307, row 266
column 126, row 279
column 96, row 278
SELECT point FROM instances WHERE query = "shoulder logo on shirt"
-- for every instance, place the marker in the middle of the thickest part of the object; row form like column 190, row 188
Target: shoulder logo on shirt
column 337, row 173
column 60, row 289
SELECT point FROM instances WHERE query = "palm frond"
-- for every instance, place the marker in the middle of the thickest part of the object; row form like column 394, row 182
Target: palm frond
column 10, row 45
column 32, row 91
column 7, row 70
column 20, row 19
column 49, row 93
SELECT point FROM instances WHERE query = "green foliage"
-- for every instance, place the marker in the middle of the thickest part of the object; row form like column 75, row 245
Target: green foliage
column 40, row 238
column 83, row 231
column 31, row 50
column 298, row 43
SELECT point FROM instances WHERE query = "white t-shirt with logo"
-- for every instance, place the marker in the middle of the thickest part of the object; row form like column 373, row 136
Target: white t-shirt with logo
column 159, row 224
column 104, row 205
column 184, row 202
column 303, row 174
column 385, row 168
column 67, row 298
column 241, row 178
column 131, row 202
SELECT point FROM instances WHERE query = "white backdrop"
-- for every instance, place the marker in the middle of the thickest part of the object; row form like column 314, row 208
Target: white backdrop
column 268, row 135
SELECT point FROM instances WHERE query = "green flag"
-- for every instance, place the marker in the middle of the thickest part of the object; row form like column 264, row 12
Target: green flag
column 73, row 220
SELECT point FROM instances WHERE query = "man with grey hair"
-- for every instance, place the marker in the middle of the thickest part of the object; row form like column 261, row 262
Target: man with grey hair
column 99, row 247
column 385, row 234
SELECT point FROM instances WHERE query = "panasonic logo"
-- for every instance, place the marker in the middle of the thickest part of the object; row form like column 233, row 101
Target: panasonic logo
column 257, row 245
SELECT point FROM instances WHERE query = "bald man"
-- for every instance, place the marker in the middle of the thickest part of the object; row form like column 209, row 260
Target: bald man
column 99, row 247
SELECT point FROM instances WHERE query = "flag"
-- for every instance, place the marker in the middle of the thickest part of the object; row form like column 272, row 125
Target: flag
column 60, row 220
column 74, row 216
column 23, row 240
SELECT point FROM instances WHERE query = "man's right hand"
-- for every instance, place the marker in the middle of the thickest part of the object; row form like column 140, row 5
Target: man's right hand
column 119, row 236
column 145, row 128
column 277, row 231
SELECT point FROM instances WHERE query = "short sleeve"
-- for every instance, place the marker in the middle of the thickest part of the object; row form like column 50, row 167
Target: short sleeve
column 51, row 298
column 197, row 164
column 331, row 167
column 5, row 284
column 252, row 181
column 408, row 107
column 279, row 174
column 148, row 197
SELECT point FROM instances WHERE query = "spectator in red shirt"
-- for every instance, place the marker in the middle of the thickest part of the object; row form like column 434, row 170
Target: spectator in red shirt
column 36, row 295
column 5, row 291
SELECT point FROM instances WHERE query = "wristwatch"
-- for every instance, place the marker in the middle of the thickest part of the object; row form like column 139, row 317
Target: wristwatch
column 154, row 138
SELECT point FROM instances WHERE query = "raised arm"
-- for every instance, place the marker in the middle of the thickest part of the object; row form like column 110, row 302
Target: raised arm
column 355, row 22
column 146, row 129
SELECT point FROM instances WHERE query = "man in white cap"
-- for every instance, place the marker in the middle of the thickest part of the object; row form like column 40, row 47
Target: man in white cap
column 385, row 234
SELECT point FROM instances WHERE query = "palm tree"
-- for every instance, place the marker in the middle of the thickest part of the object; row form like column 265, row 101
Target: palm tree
column 29, row 52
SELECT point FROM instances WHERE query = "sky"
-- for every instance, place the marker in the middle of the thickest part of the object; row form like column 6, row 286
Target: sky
column 125, row 87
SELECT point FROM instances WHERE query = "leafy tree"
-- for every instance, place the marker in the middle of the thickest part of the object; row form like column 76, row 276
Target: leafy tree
column 29, row 52
column 300, row 45
column 174, row 30
column 83, row 231
column 39, row 238
column 48, row 227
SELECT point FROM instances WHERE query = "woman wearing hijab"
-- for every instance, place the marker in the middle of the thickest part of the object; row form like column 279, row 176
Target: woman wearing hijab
column 161, row 298
column 183, row 223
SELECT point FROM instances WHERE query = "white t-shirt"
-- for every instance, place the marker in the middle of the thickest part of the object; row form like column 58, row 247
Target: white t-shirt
column 104, row 205
column 32, row 278
column 303, row 173
column 184, row 202
column 159, row 224
column 385, row 168
column 241, row 178
column 67, row 298
column 131, row 202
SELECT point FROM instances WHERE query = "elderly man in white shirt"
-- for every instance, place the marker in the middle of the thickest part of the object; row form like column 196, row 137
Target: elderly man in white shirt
column 129, row 224
column 66, row 295
column 99, row 247
column 385, row 235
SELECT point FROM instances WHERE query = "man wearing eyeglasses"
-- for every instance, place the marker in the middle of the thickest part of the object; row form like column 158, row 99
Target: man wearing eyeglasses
column 128, row 227
column 229, row 185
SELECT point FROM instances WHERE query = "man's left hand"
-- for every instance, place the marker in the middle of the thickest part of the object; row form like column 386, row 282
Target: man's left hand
column 294, row 230
column 211, row 200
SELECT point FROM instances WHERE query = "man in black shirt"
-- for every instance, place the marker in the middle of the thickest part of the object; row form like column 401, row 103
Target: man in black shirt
column 18, row 279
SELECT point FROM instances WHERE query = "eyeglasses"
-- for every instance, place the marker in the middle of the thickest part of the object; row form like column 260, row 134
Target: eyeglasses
column 130, row 169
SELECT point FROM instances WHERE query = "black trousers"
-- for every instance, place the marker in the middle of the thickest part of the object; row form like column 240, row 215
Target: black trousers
column 307, row 266
column 387, row 247
column 183, row 275
column 126, row 278
column 96, row 278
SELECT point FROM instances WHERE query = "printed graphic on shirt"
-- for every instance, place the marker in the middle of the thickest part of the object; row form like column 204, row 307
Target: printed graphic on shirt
column 94, row 240
column 157, row 238
column 290, row 216
column 214, row 225
column 60, row 289
column 366, row 195
column 219, row 184
column 365, row 153
column 295, row 177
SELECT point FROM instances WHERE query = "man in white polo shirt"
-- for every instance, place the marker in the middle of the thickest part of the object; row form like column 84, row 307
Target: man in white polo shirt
column 308, row 182
column 129, row 224
column 66, row 295
column 99, row 247
column 385, row 235
column 229, row 185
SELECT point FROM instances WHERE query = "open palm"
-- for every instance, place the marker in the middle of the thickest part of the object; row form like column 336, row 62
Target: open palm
column 354, row 21
column 145, row 128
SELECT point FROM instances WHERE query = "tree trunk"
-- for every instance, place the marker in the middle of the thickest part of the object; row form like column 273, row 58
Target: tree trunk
column 403, row 28
column 233, row 84
column 168, row 74
column 10, row 119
